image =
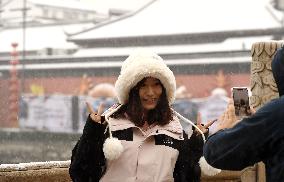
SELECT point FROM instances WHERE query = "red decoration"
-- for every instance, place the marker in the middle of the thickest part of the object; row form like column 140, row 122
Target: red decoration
column 14, row 88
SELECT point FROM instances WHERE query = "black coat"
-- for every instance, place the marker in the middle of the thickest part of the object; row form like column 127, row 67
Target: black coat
column 88, row 162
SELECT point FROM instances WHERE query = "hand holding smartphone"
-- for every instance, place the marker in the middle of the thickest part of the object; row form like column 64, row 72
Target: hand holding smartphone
column 241, row 101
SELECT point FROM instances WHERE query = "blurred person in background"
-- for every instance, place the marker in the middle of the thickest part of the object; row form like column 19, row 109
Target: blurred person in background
column 144, row 140
column 185, row 107
column 103, row 93
column 210, row 108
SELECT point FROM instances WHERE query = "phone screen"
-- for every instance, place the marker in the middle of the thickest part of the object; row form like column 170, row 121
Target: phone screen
column 241, row 101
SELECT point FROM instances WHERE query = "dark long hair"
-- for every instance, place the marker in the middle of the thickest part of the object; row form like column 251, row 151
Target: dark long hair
column 162, row 113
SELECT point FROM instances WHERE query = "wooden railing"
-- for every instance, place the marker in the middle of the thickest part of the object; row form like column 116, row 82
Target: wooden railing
column 54, row 171
column 57, row 171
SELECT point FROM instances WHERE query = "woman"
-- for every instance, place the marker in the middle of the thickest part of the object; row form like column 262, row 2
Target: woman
column 153, row 146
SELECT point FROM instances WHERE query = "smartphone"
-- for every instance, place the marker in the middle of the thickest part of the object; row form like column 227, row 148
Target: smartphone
column 241, row 101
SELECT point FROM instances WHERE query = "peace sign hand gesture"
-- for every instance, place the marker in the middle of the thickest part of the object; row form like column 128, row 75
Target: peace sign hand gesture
column 202, row 127
column 96, row 116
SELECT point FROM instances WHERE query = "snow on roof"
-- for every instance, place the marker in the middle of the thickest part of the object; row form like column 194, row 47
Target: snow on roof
column 117, row 64
column 72, row 4
column 229, row 44
column 123, row 5
column 39, row 37
column 165, row 17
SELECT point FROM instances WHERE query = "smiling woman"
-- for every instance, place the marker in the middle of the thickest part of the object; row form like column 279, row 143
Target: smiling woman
column 145, row 140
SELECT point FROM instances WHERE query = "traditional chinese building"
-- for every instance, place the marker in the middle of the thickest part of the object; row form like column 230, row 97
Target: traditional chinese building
column 205, row 46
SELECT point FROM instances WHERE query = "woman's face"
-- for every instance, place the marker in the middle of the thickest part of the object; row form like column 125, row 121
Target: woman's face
column 150, row 92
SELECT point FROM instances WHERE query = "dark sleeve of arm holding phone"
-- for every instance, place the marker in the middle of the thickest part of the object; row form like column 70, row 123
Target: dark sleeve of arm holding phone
column 243, row 145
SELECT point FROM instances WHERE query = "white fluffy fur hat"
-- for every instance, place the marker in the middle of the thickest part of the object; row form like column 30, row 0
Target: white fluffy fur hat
column 139, row 65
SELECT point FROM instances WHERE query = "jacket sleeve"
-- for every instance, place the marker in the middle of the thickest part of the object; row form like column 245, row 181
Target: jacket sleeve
column 88, row 161
column 187, row 167
column 246, row 143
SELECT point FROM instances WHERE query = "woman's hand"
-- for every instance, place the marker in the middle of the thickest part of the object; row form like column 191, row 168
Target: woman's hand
column 202, row 127
column 95, row 116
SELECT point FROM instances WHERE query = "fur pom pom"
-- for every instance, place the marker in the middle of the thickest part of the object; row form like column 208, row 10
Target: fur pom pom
column 208, row 169
column 112, row 148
